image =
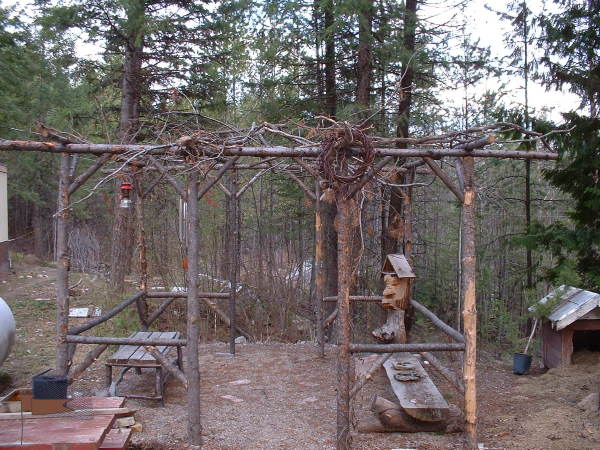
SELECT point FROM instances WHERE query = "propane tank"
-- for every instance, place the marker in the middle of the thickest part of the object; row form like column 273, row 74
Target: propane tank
column 7, row 330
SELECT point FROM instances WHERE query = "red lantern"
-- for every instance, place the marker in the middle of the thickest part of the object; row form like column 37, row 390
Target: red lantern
column 126, row 188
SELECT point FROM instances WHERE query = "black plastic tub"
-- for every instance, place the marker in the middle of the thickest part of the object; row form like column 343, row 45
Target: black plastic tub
column 49, row 386
column 521, row 363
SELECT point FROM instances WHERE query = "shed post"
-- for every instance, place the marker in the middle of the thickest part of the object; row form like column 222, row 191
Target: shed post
column 193, row 314
column 468, row 275
column 62, row 267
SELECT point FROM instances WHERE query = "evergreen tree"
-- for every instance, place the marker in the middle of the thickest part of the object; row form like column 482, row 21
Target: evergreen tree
column 571, row 44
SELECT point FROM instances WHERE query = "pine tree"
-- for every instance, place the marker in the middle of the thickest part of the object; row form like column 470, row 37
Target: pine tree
column 571, row 45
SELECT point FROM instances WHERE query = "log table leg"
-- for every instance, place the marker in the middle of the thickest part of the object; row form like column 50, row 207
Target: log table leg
column 108, row 375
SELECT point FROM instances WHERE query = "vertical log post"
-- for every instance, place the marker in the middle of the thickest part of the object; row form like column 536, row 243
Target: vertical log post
column 193, row 314
column 319, row 273
column 142, row 304
column 62, row 268
column 233, row 237
column 344, row 223
column 469, row 302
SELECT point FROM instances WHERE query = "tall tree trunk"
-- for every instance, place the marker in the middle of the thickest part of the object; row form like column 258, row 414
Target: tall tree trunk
column 330, row 254
column 365, row 58
column 39, row 249
column 393, row 228
column 527, row 161
column 130, row 90
column 397, row 232
column 408, row 44
column 328, row 206
column 318, row 59
column 330, row 60
column 122, row 238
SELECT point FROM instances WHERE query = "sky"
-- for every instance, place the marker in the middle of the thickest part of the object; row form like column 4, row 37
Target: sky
column 485, row 26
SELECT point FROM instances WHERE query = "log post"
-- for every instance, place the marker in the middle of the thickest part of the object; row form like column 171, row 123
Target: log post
column 344, row 223
column 193, row 315
column 468, row 273
column 319, row 272
column 142, row 305
column 233, row 237
column 62, row 268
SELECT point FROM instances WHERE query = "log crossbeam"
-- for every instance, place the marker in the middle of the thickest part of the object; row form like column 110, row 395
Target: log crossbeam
column 265, row 151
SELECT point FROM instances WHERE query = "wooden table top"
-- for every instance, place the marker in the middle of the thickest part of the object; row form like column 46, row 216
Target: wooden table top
column 73, row 431
column 76, row 432
column 135, row 354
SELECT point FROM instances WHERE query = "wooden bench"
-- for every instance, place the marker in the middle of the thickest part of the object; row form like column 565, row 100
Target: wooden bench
column 420, row 399
column 135, row 356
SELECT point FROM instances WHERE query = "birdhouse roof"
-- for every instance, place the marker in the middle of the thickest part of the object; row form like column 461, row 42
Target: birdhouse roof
column 573, row 304
column 396, row 264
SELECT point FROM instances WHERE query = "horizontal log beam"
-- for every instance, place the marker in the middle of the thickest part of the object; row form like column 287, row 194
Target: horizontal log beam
column 124, row 341
column 103, row 318
column 279, row 151
column 457, row 336
column 159, row 294
column 357, row 298
column 395, row 348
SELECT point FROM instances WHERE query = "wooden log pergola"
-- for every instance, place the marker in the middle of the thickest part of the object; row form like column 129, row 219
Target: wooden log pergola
column 466, row 194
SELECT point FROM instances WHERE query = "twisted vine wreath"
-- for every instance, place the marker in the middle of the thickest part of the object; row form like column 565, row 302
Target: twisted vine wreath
column 334, row 160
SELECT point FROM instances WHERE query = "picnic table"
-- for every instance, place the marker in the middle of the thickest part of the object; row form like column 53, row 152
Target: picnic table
column 135, row 356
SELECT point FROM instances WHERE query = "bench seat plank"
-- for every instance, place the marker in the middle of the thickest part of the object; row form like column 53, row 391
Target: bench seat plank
column 420, row 399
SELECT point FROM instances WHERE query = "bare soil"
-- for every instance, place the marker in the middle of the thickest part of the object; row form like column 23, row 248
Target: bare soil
column 282, row 396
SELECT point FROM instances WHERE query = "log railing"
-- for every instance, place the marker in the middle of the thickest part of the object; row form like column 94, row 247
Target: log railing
column 394, row 348
column 435, row 320
column 106, row 316
column 124, row 341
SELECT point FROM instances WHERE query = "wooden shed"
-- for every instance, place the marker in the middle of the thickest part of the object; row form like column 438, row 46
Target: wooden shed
column 572, row 325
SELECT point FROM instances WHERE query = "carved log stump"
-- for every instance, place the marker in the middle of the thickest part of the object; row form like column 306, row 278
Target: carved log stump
column 393, row 330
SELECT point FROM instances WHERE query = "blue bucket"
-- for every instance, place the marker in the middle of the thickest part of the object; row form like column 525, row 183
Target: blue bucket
column 521, row 363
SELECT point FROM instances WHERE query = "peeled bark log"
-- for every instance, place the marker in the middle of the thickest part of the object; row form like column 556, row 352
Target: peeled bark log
column 392, row 417
column 469, row 274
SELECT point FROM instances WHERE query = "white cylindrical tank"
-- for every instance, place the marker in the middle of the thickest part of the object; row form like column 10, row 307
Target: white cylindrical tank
column 7, row 330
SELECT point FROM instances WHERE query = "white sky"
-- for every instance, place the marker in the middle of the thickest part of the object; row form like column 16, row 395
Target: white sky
column 483, row 25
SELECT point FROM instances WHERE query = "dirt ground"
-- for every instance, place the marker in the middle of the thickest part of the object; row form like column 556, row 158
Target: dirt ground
column 282, row 396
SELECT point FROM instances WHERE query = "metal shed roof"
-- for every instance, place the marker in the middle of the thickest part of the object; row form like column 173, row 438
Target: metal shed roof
column 575, row 303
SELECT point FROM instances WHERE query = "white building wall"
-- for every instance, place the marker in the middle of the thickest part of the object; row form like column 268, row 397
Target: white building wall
column 3, row 205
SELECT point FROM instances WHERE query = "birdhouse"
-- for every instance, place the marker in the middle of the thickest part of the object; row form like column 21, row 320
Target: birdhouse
column 397, row 275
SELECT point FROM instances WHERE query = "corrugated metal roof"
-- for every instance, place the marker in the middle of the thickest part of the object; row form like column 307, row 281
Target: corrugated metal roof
column 575, row 303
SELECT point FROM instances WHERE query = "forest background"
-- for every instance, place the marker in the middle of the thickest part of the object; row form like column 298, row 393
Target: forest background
column 150, row 70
